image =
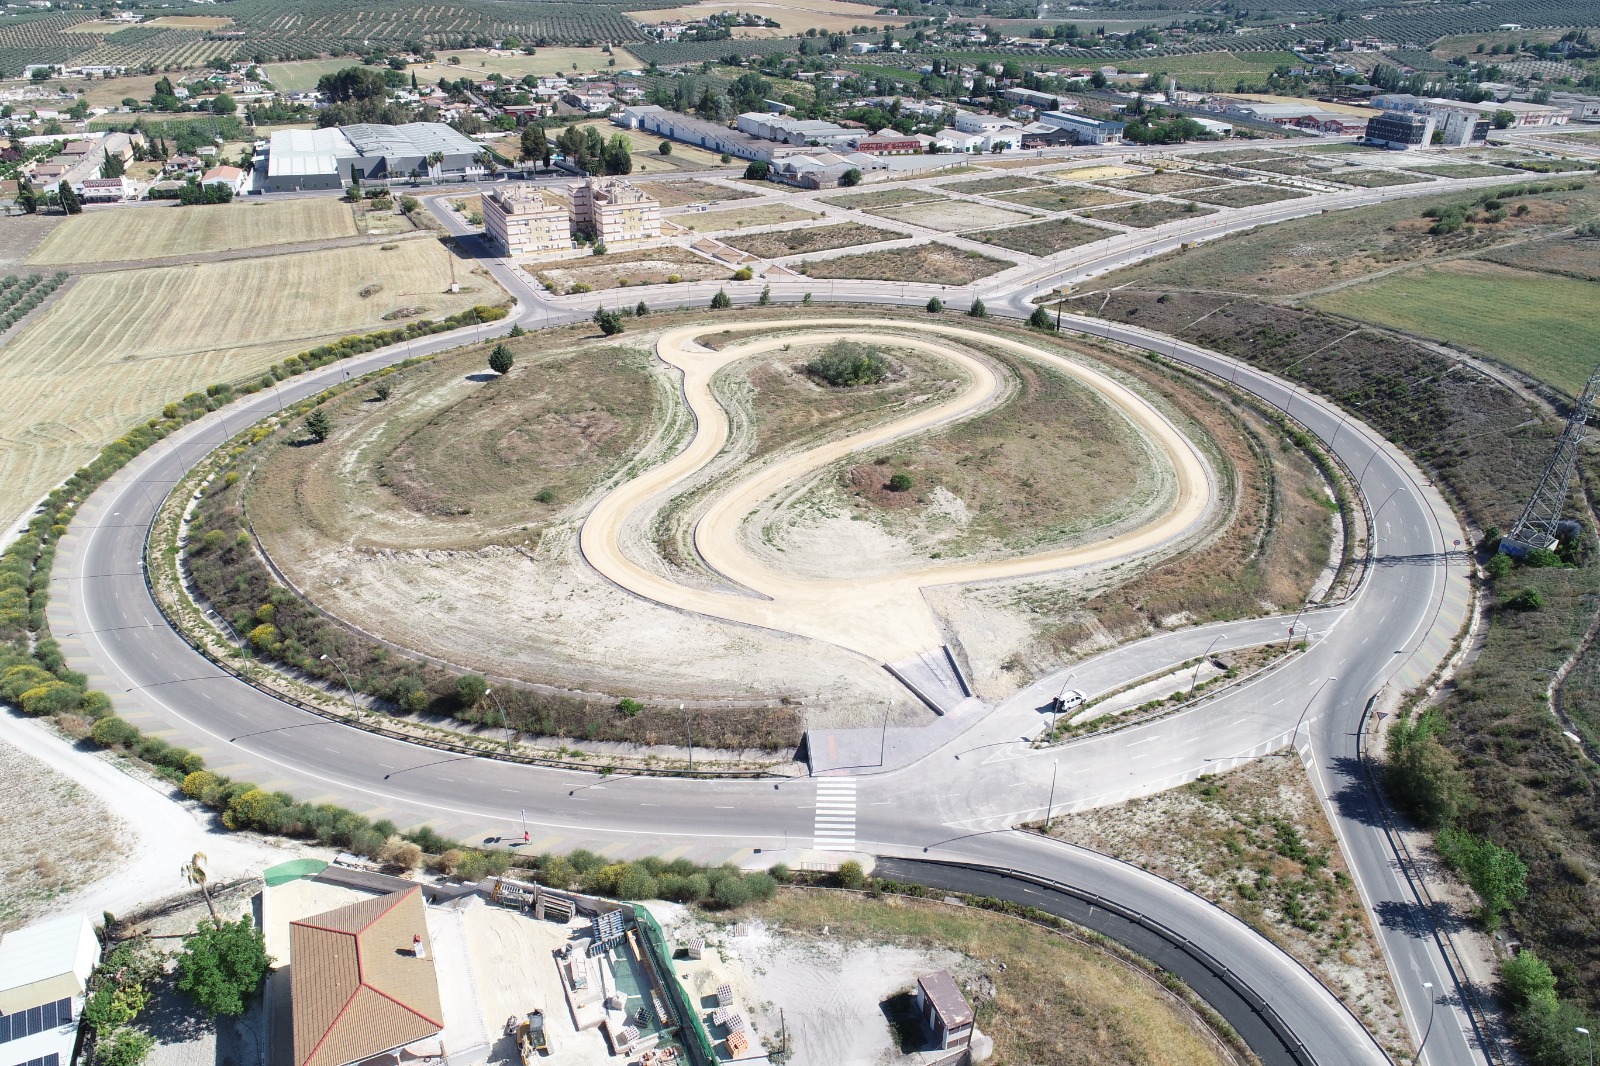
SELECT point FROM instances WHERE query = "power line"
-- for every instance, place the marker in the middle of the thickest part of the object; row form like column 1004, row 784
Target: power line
column 1541, row 525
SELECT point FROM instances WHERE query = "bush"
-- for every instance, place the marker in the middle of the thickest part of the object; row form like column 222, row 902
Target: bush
column 850, row 875
column 1498, row 566
column 501, row 359
column 743, row 274
column 899, row 483
column 1526, row 600
column 721, row 302
column 731, row 892
column 846, row 364
column 222, row 966
column 126, row 1047
column 470, row 688
column 1496, row 874
column 935, row 305
column 1527, row 981
column 113, row 732
column 977, row 310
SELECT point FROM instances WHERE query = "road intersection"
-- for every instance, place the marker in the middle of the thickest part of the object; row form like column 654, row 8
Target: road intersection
column 954, row 794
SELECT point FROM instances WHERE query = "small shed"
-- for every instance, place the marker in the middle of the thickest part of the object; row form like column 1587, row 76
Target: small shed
column 944, row 1010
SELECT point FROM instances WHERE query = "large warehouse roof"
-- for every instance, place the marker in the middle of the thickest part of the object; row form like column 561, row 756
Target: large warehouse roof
column 414, row 138
column 299, row 152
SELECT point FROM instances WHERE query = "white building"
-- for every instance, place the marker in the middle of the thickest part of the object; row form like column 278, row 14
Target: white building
column 517, row 220
column 232, row 177
column 44, row 973
column 972, row 122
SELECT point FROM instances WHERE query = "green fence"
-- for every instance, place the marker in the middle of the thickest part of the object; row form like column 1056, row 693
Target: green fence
column 695, row 1037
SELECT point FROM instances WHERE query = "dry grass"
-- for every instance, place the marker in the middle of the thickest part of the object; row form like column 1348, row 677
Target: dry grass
column 985, row 186
column 722, row 221
column 1149, row 213
column 937, row 264
column 130, row 234
column 678, row 193
column 55, row 837
column 813, row 239
column 1162, row 183
column 1042, row 997
column 1092, row 173
column 1043, row 238
column 190, row 22
column 1246, row 195
column 1255, row 842
column 866, row 201
column 794, row 17
column 1063, row 197
column 116, row 346
column 1376, row 179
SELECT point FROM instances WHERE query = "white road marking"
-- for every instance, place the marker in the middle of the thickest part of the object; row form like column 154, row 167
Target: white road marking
column 834, row 824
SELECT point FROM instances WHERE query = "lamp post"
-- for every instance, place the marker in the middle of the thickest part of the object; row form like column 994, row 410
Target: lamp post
column 687, row 736
column 1306, row 711
column 1590, row 1037
column 1050, row 807
column 1427, row 986
column 505, row 723
column 1196, row 679
column 348, row 686
column 1055, row 707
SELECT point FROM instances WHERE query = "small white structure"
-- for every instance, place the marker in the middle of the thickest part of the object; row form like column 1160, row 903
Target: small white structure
column 44, row 973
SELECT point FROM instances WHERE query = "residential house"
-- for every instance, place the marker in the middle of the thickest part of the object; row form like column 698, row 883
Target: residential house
column 232, row 177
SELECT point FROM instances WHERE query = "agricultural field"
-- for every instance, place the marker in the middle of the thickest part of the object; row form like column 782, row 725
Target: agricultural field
column 208, row 23
column 1246, row 195
column 1042, row 238
column 778, row 243
column 1227, row 65
column 302, row 76
column 935, row 263
column 1063, row 197
column 544, row 62
column 114, row 347
column 1538, row 323
column 620, row 269
column 951, row 216
column 794, row 17
column 1148, row 213
column 722, row 221
column 158, row 231
column 678, row 193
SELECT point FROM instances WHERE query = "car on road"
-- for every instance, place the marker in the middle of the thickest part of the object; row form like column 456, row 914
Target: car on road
column 1069, row 699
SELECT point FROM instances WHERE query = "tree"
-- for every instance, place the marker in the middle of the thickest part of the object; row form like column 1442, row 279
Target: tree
column 618, row 155
column 641, row 310
column 610, row 322
column 349, row 84
column 470, row 688
column 223, row 104
column 1421, row 774
column 194, row 872
column 1496, row 874
column 721, row 302
column 757, row 170
column 665, row 148
column 114, row 167
column 125, row 1047
column 1040, row 319
column 935, row 305
column 319, row 425
column 70, row 204
column 766, row 296
column 222, row 965
column 846, row 364
column 850, row 178
column 977, row 310
column 1528, row 981
column 501, row 359
column 1503, row 119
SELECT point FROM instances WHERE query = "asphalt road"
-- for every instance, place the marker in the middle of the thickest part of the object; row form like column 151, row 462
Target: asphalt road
column 953, row 801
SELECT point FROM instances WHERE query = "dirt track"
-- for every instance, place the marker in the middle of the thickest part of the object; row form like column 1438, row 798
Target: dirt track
column 885, row 618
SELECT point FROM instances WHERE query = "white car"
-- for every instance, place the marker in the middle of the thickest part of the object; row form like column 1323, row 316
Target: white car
column 1069, row 699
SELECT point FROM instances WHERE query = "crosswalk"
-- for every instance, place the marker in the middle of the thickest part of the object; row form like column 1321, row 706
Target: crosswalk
column 835, row 824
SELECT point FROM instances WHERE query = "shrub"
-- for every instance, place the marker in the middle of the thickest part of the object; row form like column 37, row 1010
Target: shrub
column 630, row 706
column 977, row 310
column 470, row 688
column 641, row 310
column 1498, row 566
column 721, row 301
column 196, row 784
column 54, row 697
column 731, row 892
column 1526, row 600
column 935, row 305
column 222, row 966
column 1527, row 980
column 113, row 732
column 846, row 364
column 850, row 874
column 743, row 274
column 1040, row 319
column 501, row 359
column 126, row 1047
column 610, row 322
column 899, row 483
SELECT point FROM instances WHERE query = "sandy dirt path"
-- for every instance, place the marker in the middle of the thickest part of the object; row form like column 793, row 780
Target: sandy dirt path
column 886, row 617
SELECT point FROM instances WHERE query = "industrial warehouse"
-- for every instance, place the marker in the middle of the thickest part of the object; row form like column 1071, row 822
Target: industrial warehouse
column 299, row 160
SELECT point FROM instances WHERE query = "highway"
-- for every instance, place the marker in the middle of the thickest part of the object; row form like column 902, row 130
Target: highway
column 954, row 797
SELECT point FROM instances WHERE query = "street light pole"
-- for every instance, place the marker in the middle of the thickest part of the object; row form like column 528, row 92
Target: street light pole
column 1196, row 679
column 1307, row 710
column 688, row 736
column 505, row 723
column 348, row 686
column 883, row 738
column 1427, row 986
column 1051, row 806
column 1590, row 1036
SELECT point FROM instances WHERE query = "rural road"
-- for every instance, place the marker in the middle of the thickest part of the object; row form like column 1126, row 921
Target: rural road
column 954, row 801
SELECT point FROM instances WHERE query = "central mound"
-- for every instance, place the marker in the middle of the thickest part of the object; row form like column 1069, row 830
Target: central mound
column 697, row 510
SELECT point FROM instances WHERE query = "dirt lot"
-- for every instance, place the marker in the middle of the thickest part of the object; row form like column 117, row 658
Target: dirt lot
column 55, row 837
column 1149, row 213
column 743, row 218
column 153, row 232
column 1246, row 195
column 837, row 964
column 813, row 239
column 1063, row 197
column 1042, row 238
column 936, row 263
column 1256, row 842
column 112, row 348
column 1162, row 183
column 678, row 193
column 1376, row 179
column 866, row 201
column 1093, row 172
column 617, row 269
column 987, row 186
column 947, row 216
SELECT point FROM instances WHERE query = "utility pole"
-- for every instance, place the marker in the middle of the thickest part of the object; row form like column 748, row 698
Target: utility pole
column 688, row 736
column 1051, row 806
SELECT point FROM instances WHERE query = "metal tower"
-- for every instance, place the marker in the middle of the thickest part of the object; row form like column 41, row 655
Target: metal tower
column 1540, row 525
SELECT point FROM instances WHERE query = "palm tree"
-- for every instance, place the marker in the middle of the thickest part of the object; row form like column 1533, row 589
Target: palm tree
column 194, row 871
column 434, row 159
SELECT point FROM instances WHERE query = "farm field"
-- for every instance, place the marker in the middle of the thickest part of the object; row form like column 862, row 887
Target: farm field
column 153, row 232
column 794, row 17
column 545, row 61
column 1042, row 238
column 720, row 221
column 302, row 75
column 935, row 263
column 1148, row 213
column 1246, row 195
column 116, row 346
column 207, row 23
column 951, row 216
column 779, row 243
column 678, row 193
column 1535, row 322
column 1218, row 63
column 1063, row 197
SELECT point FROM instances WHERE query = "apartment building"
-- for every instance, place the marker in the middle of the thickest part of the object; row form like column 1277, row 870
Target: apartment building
column 517, row 220
column 614, row 211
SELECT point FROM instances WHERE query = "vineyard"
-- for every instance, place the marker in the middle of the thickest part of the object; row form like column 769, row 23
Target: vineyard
column 18, row 296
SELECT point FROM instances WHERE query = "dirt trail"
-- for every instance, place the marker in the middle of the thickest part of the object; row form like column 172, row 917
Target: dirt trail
column 887, row 617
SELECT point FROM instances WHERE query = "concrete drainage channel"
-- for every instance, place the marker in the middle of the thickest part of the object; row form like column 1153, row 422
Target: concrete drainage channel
column 1257, row 1024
